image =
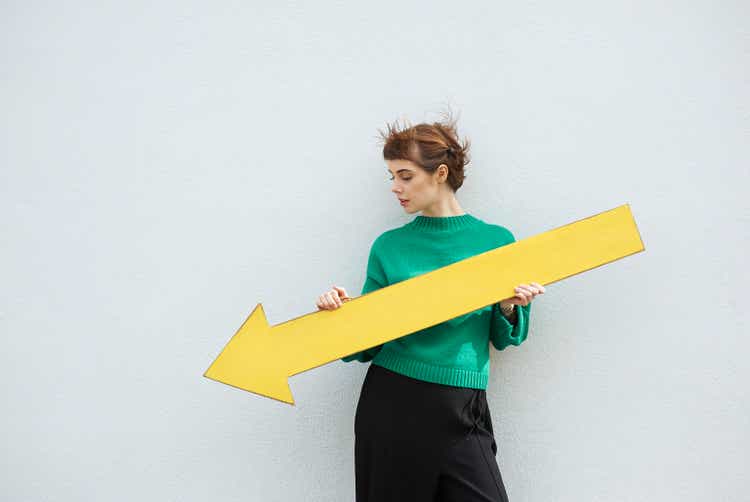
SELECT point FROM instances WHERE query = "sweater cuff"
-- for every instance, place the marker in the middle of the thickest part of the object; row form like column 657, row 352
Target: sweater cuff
column 504, row 333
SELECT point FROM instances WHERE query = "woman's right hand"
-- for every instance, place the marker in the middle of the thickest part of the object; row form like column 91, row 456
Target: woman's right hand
column 332, row 299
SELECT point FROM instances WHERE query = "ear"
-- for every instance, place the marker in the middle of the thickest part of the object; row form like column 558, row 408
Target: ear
column 441, row 171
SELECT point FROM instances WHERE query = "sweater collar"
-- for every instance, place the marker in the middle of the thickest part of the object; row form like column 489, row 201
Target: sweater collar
column 422, row 222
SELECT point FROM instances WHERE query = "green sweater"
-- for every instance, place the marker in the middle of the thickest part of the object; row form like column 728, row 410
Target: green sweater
column 454, row 352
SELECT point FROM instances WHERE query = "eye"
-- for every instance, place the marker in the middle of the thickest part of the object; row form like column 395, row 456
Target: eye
column 405, row 179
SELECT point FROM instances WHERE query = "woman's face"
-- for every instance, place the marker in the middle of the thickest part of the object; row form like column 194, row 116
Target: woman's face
column 412, row 184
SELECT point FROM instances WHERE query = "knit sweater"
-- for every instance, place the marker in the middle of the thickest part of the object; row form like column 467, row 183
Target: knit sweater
column 454, row 352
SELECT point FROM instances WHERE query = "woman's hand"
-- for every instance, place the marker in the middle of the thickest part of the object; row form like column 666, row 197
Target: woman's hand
column 332, row 299
column 524, row 294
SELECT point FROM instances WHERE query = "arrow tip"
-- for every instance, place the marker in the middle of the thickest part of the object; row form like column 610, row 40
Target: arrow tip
column 247, row 361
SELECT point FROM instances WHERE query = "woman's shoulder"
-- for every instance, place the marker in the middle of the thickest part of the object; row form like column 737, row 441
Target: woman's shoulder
column 388, row 236
column 384, row 238
column 500, row 233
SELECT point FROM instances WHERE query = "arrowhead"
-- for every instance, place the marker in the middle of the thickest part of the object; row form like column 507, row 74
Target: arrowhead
column 247, row 361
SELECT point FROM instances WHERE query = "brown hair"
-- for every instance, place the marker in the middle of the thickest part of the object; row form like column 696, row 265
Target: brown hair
column 428, row 146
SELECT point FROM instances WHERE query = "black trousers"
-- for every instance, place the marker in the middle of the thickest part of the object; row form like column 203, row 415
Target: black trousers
column 419, row 441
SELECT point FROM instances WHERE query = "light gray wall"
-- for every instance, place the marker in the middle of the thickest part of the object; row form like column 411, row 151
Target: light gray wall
column 168, row 165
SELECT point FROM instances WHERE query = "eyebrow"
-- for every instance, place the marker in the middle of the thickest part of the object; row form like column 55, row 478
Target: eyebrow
column 407, row 170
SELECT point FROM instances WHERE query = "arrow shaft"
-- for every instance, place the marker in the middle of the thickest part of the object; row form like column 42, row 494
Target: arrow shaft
column 457, row 289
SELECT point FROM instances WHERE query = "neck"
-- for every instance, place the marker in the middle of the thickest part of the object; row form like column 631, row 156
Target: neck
column 447, row 206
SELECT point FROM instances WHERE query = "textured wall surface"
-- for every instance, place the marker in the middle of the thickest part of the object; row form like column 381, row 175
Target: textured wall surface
column 167, row 165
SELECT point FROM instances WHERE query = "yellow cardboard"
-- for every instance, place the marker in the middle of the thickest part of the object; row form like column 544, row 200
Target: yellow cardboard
column 260, row 358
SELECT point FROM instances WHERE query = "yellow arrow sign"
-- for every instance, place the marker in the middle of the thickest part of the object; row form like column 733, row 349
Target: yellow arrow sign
column 260, row 358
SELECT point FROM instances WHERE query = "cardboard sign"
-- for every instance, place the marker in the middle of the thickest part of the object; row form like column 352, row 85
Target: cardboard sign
column 260, row 358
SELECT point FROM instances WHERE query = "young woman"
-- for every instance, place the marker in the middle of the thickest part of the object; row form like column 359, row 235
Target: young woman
column 423, row 430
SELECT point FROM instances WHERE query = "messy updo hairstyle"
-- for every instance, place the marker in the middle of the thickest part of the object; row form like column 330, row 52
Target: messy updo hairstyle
column 428, row 146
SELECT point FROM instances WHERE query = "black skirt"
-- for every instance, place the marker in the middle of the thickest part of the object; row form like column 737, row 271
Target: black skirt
column 422, row 441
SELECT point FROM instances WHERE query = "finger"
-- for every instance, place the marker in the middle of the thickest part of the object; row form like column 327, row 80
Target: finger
column 539, row 287
column 345, row 296
column 531, row 290
column 519, row 295
column 333, row 299
column 523, row 290
column 325, row 301
column 528, row 296
column 340, row 289
column 342, row 297
column 525, row 294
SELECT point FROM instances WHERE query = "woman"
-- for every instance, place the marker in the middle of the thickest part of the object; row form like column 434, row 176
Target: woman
column 423, row 430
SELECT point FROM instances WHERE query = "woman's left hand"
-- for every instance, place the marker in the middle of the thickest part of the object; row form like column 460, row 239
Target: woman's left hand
column 524, row 294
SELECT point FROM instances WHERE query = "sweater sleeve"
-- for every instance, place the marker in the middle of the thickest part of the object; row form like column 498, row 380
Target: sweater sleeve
column 374, row 280
column 502, row 332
